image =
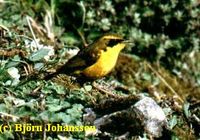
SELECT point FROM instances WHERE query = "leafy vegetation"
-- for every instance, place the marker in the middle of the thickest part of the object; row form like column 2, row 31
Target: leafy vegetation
column 162, row 61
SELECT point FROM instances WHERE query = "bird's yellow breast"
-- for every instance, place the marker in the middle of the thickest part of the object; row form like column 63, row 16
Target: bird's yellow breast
column 105, row 63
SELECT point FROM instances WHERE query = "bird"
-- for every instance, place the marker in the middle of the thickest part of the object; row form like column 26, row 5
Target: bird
column 96, row 60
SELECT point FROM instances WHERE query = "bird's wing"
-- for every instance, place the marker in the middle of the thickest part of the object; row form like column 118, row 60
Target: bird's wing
column 79, row 62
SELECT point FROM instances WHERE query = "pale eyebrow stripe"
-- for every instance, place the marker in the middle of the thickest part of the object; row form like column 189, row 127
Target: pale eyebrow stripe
column 113, row 37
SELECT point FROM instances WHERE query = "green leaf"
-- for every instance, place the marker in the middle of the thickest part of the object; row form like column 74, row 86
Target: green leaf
column 6, row 135
column 88, row 88
column 14, row 62
column 53, row 88
column 65, row 104
column 52, row 100
column 54, row 107
column 146, row 76
column 24, row 112
column 3, row 108
column 186, row 109
column 64, row 117
column 39, row 55
column 38, row 66
column 45, row 115
column 75, row 111
column 173, row 122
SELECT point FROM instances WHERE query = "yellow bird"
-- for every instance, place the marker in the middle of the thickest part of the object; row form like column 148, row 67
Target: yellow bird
column 96, row 60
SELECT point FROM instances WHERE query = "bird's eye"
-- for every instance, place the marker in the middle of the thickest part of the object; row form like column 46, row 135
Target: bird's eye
column 113, row 42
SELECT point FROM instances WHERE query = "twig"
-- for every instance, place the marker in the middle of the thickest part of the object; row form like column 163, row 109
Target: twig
column 25, row 37
column 91, row 97
column 49, row 26
column 26, row 71
column 83, row 21
column 84, row 12
column 105, row 91
column 36, row 89
column 165, row 82
column 82, row 38
column 4, row 27
column 30, row 27
column 9, row 115
column 9, row 2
